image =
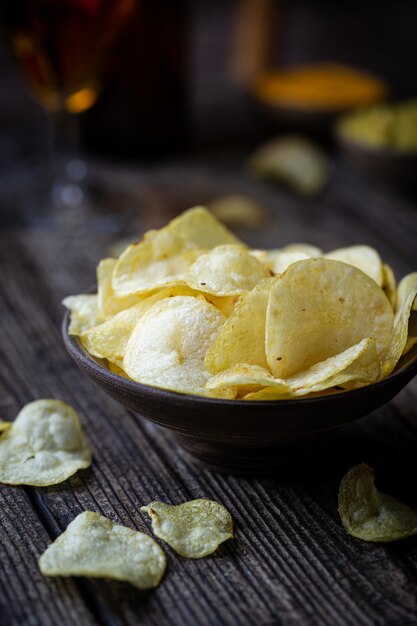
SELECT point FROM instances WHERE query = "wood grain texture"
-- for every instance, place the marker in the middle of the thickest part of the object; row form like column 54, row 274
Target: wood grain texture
column 291, row 562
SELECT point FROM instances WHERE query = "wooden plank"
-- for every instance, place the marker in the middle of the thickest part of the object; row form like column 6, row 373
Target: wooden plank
column 26, row 596
column 291, row 562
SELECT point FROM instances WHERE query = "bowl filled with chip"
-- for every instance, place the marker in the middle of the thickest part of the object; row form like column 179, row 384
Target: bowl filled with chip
column 381, row 142
column 245, row 355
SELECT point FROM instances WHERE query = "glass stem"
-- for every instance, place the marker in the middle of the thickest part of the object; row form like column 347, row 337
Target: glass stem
column 67, row 169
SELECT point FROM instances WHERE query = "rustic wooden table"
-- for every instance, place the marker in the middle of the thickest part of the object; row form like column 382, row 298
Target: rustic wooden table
column 291, row 562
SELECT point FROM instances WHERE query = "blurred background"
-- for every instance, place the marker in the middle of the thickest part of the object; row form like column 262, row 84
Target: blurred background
column 90, row 84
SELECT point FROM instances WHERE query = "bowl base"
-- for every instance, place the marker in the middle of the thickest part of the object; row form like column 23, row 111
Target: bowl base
column 259, row 459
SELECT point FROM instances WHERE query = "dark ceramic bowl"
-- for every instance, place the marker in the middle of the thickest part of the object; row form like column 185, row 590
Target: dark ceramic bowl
column 236, row 435
column 391, row 167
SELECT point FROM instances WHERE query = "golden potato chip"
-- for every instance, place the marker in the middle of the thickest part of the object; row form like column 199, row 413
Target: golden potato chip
column 4, row 425
column 94, row 546
column 84, row 312
column 109, row 339
column 294, row 161
column 223, row 393
column 359, row 363
column 109, row 303
column 364, row 258
column 279, row 260
column 406, row 297
column 370, row 515
column 200, row 228
column 168, row 346
column 248, row 379
column 44, row 446
column 242, row 338
column 238, row 210
column 389, row 284
column 266, row 393
column 225, row 304
column 161, row 259
column 193, row 529
column 318, row 308
column 412, row 329
column 226, row 271
column 306, row 248
column 116, row 369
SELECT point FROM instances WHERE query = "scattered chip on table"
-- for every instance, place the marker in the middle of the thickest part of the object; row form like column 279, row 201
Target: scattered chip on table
column 193, row 529
column 294, row 161
column 370, row 515
column 94, row 546
column 44, row 445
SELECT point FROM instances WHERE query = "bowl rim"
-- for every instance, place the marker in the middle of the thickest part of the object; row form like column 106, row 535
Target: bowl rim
column 79, row 354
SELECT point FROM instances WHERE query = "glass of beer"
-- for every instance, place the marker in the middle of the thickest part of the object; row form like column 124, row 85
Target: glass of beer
column 62, row 48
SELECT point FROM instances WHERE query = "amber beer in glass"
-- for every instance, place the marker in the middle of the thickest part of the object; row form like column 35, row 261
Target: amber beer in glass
column 62, row 46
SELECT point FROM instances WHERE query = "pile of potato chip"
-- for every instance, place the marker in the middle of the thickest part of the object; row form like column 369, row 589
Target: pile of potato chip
column 192, row 309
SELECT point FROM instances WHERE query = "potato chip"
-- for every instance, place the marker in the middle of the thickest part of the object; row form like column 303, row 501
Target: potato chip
column 389, row 284
column 109, row 339
column 226, row 271
column 44, row 446
column 94, row 546
column 279, row 260
column 117, row 369
column 294, row 161
column 364, row 258
column 109, row 303
column 84, row 312
column 193, row 529
column 168, row 346
column 406, row 297
column 4, row 425
column 358, row 363
column 225, row 304
column 200, row 228
column 370, row 515
column 247, row 379
column 238, row 210
column 412, row 329
column 318, row 308
column 306, row 248
column 242, row 338
column 222, row 393
column 161, row 259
